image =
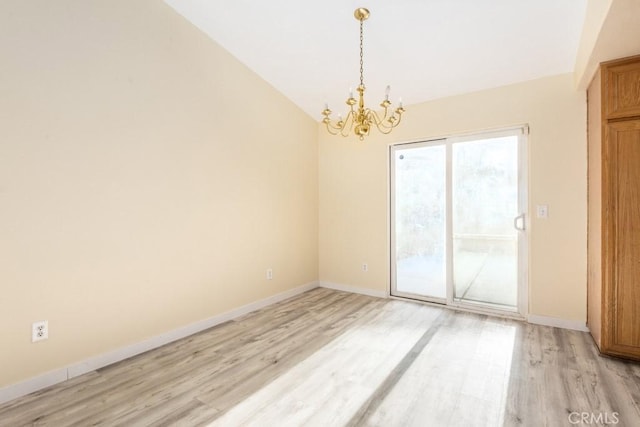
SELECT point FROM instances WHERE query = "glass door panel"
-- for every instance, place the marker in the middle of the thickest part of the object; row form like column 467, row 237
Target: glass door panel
column 458, row 218
column 419, row 222
column 484, row 208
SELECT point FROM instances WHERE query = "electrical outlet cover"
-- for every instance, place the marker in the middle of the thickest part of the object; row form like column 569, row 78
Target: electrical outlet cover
column 39, row 331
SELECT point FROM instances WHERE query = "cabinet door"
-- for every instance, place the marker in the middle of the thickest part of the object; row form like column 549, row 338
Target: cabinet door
column 622, row 292
column 622, row 86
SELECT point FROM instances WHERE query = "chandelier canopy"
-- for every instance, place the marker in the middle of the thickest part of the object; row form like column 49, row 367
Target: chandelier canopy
column 361, row 120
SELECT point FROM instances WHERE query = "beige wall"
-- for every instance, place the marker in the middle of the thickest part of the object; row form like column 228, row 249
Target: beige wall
column 595, row 16
column 611, row 31
column 147, row 180
column 354, row 188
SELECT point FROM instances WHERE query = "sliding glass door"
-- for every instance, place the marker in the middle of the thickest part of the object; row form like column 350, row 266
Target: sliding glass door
column 458, row 225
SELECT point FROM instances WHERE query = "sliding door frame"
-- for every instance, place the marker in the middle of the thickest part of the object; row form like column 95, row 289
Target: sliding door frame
column 521, row 132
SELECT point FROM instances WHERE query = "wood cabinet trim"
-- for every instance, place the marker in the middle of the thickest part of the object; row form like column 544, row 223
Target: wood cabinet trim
column 608, row 231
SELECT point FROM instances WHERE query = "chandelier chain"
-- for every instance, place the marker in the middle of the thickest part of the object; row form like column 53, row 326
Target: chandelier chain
column 361, row 56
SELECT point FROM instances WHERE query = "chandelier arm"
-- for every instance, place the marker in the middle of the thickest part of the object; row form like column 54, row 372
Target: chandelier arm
column 384, row 131
column 380, row 124
column 333, row 124
column 394, row 123
column 331, row 128
column 399, row 120
column 385, row 115
column 397, row 115
column 349, row 119
column 374, row 116
column 334, row 127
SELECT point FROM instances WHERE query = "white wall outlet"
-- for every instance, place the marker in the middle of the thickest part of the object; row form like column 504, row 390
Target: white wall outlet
column 365, row 267
column 542, row 211
column 39, row 331
column 269, row 274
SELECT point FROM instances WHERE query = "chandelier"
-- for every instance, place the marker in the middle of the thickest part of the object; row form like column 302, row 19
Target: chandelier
column 361, row 120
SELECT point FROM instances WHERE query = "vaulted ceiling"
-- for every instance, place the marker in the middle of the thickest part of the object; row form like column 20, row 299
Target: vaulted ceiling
column 424, row 49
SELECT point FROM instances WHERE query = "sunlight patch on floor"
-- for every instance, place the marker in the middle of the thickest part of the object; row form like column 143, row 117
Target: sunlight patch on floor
column 460, row 379
column 329, row 387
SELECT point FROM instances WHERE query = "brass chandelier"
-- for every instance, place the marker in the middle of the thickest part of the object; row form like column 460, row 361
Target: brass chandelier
column 361, row 120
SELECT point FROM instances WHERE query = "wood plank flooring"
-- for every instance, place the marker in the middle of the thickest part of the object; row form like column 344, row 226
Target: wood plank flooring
column 329, row 358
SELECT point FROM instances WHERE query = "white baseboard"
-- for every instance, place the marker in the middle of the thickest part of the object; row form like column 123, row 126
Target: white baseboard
column 557, row 322
column 354, row 289
column 23, row 388
column 31, row 385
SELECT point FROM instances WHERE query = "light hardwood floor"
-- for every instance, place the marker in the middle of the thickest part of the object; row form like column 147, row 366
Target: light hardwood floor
column 329, row 358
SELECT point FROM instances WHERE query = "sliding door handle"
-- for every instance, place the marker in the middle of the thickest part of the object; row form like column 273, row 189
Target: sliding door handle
column 518, row 222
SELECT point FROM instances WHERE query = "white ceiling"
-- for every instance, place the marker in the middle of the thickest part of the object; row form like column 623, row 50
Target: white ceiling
column 425, row 49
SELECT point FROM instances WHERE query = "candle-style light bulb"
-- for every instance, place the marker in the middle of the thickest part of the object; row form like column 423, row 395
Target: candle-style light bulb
column 400, row 102
column 350, row 92
column 386, row 93
column 326, row 105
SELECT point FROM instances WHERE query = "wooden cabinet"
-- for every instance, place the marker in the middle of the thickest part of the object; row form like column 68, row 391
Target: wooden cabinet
column 613, row 312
